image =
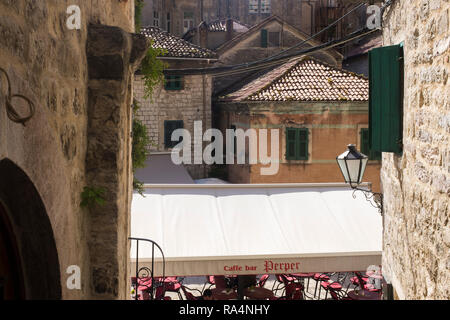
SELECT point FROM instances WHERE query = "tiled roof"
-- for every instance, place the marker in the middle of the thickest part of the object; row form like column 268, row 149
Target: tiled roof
column 304, row 79
column 174, row 46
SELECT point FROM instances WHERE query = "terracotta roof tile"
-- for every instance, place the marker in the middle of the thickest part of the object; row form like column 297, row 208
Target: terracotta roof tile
column 304, row 79
column 176, row 47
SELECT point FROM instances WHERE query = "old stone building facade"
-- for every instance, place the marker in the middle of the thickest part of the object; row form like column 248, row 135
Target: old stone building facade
column 80, row 84
column 327, row 106
column 309, row 16
column 416, row 183
column 268, row 38
column 180, row 105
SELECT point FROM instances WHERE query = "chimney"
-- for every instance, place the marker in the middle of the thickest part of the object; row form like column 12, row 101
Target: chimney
column 229, row 27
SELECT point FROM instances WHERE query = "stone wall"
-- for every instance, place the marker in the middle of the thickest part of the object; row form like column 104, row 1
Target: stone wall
column 48, row 63
column 192, row 103
column 416, row 184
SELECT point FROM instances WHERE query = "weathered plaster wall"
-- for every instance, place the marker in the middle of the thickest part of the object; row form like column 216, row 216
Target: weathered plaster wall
column 192, row 103
column 416, row 184
column 332, row 126
column 47, row 62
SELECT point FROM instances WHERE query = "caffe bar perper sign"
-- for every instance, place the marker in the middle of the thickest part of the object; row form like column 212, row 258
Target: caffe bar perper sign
column 242, row 265
column 269, row 267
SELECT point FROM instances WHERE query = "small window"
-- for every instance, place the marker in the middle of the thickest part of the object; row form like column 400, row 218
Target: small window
column 253, row 6
column 263, row 38
column 169, row 127
column 173, row 82
column 365, row 145
column 168, row 22
column 188, row 21
column 297, row 144
column 265, row 6
column 156, row 18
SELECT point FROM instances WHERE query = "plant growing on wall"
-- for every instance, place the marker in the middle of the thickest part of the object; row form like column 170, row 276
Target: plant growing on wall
column 152, row 71
column 138, row 6
column 139, row 151
column 92, row 195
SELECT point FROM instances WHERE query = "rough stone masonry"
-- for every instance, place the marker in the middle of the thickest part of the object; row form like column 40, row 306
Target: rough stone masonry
column 81, row 84
column 416, row 184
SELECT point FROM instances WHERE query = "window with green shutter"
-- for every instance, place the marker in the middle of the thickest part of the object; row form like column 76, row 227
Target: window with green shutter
column 365, row 145
column 264, row 38
column 173, row 82
column 169, row 127
column 297, row 144
column 386, row 98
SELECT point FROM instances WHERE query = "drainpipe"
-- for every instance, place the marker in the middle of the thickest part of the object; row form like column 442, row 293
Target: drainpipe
column 206, row 127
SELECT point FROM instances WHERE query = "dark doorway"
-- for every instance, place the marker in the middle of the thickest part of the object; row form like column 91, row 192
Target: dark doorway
column 11, row 277
column 29, row 265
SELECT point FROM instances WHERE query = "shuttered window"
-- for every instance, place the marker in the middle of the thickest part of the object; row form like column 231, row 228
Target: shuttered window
column 173, row 82
column 297, row 144
column 263, row 38
column 365, row 145
column 169, row 127
column 386, row 98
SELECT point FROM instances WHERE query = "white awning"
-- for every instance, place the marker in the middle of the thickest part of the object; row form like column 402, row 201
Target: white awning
column 256, row 229
column 159, row 168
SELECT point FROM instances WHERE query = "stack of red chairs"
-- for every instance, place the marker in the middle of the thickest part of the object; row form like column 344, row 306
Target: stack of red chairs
column 319, row 277
column 161, row 285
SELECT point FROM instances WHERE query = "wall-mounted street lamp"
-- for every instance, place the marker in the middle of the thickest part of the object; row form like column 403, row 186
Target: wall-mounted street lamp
column 353, row 164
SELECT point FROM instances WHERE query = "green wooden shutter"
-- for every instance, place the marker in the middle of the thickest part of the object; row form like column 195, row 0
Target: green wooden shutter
column 302, row 144
column 167, row 82
column 169, row 127
column 173, row 82
column 296, row 144
column 291, row 139
column 177, row 83
column 385, row 98
column 263, row 38
column 365, row 146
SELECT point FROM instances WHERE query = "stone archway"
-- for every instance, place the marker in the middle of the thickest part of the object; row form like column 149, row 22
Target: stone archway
column 27, row 238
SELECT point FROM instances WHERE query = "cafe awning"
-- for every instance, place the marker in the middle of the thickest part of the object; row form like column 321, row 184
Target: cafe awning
column 225, row 229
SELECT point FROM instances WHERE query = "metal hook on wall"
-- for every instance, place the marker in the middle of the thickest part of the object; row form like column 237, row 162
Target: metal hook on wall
column 10, row 110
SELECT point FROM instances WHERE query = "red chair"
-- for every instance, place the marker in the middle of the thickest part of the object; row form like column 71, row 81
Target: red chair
column 302, row 277
column 319, row 277
column 170, row 284
column 209, row 281
column 294, row 291
column 329, row 287
column 262, row 280
column 284, row 280
column 188, row 295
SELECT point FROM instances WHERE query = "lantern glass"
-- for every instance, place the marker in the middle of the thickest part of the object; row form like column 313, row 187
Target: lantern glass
column 352, row 164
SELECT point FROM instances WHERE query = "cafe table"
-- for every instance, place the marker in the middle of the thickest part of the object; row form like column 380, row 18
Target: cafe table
column 224, row 294
column 257, row 293
column 363, row 295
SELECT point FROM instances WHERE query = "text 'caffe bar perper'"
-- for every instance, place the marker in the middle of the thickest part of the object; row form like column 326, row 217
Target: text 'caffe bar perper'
column 269, row 267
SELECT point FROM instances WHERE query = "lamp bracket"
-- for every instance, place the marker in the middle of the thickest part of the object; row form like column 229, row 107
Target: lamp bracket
column 374, row 198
